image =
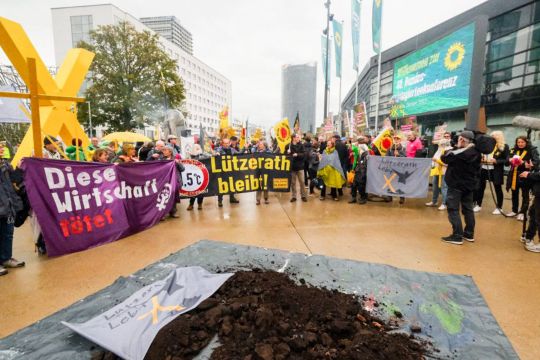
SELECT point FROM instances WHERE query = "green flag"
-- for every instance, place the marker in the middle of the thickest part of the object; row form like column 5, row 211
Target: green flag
column 338, row 45
column 324, row 50
column 355, row 29
column 376, row 18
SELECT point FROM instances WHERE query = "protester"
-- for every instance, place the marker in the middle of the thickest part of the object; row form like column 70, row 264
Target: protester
column 360, row 178
column 101, row 156
column 523, row 157
column 397, row 150
column 234, row 144
column 196, row 153
column 262, row 148
column 10, row 204
column 414, row 144
column 173, row 142
column 111, row 150
column 343, row 154
column 75, row 152
column 142, row 154
column 50, row 148
column 168, row 154
column 534, row 212
column 313, row 165
column 330, row 171
column 493, row 171
column 307, row 150
column 127, row 155
column 438, row 170
column 296, row 151
column 226, row 149
column 461, row 177
column 156, row 152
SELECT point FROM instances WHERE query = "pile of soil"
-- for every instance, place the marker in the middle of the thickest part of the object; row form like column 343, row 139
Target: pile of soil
column 267, row 316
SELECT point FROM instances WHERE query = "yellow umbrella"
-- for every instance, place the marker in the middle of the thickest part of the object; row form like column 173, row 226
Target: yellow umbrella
column 126, row 137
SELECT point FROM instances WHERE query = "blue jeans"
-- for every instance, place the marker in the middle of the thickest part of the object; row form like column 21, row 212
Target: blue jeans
column 436, row 190
column 6, row 240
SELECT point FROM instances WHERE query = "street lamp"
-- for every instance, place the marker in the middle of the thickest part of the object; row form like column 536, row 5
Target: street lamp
column 326, row 32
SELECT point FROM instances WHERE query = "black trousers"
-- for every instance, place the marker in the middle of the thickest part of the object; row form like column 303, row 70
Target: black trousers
column 524, row 188
column 360, row 188
column 312, row 175
column 199, row 200
column 485, row 176
column 454, row 200
column 534, row 220
column 333, row 192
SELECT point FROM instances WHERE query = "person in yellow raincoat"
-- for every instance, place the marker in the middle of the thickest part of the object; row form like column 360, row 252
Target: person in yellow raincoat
column 330, row 171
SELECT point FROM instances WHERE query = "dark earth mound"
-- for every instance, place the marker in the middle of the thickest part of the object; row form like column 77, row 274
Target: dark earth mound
column 265, row 315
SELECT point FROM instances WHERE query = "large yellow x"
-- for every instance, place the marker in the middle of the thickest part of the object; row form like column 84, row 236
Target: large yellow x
column 58, row 117
column 157, row 307
column 388, row 182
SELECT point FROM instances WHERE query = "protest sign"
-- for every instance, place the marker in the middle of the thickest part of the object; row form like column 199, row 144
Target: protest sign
column 80, row 205
column 226, row 174
column 129, row 328
column 398, row 176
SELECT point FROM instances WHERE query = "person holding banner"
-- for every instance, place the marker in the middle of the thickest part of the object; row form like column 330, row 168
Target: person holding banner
column 397, row 150
column 296, row 151
column 330, row 171
column 50, row 150
column 226, row 149
column 462, row 178
column 438, row 170
column 196, row 153
column 10, row 204
column 127, row 155
column 262, row 147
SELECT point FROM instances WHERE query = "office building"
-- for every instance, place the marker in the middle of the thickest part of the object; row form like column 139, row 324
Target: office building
column 170, row 28
column 207, row 91
column 299, row 94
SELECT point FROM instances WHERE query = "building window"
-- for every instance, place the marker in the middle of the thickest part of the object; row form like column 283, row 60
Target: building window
column 510, row 22
column 80, row 29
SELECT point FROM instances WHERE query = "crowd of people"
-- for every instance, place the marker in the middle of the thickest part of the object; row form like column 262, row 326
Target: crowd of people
column 328, row 165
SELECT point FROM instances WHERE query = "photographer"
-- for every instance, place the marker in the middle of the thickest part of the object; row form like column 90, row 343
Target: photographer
column 462, row 178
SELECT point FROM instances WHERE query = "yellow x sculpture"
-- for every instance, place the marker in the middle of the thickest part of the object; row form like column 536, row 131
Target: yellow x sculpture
column 52, row 100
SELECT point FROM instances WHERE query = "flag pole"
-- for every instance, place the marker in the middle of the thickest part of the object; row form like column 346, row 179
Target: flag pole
column 379, row 75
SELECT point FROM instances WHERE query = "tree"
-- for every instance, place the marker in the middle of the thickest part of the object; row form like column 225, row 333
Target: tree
column 132, row 79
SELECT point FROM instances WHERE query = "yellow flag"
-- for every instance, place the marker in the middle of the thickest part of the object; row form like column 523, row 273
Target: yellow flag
column 384, row 141
column 283, row 133
column 224, row 118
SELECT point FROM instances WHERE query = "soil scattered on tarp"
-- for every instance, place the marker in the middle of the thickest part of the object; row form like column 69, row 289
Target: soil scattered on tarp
column 266, row 316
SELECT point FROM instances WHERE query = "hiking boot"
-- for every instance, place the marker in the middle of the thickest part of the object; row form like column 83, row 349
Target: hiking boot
column 13, row 263
column 190, row 207
column 3, row 270
column 453, row 239
column 293, row 199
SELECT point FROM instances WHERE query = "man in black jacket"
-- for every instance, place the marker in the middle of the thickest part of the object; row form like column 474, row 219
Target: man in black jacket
column 462, row 178
column 296, row 151
column 10, row 204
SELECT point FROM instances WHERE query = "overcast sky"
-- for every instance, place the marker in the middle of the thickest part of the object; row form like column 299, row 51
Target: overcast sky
column 249, row 40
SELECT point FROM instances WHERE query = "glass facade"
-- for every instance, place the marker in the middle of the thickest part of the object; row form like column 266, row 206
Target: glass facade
column 512, row 72
column 80, row 28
